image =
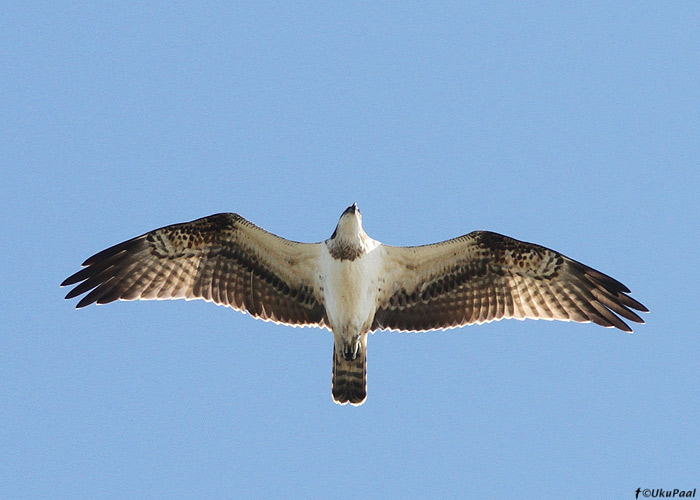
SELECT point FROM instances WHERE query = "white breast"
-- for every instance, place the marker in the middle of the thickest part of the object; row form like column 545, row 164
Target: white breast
column 350, row 290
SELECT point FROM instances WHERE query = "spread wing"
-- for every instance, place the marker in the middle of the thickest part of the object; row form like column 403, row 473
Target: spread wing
column 222, row 258
column 484, row 276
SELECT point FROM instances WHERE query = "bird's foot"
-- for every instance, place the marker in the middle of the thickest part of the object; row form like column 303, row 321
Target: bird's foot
column 351, row 350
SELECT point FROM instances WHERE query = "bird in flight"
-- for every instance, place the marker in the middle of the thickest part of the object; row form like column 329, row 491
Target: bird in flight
column 353, row 284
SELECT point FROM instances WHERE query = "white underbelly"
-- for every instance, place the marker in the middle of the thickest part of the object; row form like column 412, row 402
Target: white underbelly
column 350, row 292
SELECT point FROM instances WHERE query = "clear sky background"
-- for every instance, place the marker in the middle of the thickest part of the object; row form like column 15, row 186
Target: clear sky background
column 576, row 127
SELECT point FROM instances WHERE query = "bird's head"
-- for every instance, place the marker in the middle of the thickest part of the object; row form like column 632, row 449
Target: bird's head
column 349, row 226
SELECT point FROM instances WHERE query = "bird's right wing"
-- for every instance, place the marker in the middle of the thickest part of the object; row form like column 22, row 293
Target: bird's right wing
column 222, row 258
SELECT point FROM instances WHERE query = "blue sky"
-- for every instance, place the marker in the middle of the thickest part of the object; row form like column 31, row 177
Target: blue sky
column 576, row 127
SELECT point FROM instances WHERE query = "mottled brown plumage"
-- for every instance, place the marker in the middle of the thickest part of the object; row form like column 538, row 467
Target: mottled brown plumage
column 484, row 276
column 221, row 258
column 353, row 284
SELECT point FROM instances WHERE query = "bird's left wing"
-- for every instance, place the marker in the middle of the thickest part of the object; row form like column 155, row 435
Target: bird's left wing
column 484, row 276
column 222, row 258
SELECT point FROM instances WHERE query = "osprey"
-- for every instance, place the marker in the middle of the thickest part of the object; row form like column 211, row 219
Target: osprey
column 352, row 284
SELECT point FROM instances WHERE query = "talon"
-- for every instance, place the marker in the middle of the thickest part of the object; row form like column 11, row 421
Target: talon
column 348, row 354
column 350, row 351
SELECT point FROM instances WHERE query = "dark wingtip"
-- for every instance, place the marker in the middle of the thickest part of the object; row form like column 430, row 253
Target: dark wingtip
column 641, row 308
column 70, row 280
column 72, row 294
column 85, row 301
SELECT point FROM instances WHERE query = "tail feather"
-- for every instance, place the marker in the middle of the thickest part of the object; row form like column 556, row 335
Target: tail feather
column 350, row 378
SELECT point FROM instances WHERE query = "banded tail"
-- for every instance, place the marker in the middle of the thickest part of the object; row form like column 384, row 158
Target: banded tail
column 350, row 378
